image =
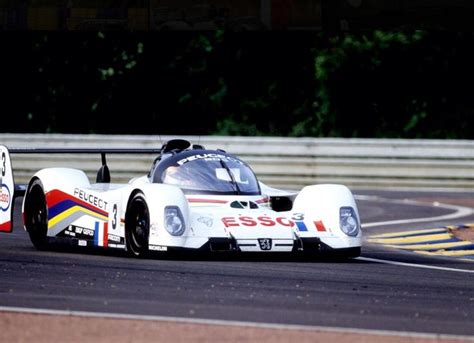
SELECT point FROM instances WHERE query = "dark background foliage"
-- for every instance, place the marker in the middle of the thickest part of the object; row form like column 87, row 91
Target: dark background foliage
column 379, row 83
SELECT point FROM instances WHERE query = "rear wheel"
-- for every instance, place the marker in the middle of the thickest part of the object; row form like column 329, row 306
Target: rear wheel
column 36, row 215
column 137, row 226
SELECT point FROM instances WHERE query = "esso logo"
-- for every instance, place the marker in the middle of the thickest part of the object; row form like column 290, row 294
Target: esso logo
column 4, row 198
column 257, row 221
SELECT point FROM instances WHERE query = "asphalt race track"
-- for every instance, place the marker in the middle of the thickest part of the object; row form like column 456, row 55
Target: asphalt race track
column 386, row 289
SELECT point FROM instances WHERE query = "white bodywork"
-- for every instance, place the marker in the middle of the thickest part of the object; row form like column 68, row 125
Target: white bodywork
column 94, row 214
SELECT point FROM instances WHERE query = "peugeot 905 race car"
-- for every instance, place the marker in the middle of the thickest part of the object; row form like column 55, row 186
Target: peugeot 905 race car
column 192, row 198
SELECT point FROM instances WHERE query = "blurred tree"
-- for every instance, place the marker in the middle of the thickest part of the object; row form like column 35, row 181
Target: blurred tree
column 404, row 83
column 394, row 84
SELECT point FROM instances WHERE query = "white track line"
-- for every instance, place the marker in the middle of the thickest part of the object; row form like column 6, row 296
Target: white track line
column 234, row 323
column 460, row 211
column 415, row 265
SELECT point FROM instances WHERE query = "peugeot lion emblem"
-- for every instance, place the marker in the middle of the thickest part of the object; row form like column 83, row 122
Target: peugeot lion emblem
column 265, row 243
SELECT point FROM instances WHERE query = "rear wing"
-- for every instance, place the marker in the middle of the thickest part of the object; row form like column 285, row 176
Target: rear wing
column 9, row 190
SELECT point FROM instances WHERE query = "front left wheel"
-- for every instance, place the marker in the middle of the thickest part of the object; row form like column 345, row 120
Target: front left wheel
column 137, row 226
column 36, row 215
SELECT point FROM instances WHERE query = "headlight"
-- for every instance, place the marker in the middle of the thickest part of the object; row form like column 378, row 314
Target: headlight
column 174, row 221
column 348, row 221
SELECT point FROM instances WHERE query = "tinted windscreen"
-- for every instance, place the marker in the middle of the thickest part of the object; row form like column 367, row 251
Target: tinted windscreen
column 218, row 174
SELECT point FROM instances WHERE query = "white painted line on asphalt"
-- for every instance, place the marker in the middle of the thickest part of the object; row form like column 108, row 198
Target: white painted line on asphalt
column 414, row 265
column 459, row 211
column 235, row 323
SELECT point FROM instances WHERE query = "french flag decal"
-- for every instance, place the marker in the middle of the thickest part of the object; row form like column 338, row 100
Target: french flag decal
column 101, row 234
column 301, row 226
column 320, row 226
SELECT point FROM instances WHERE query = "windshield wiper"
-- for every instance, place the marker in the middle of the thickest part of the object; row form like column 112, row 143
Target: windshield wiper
column 224, row 165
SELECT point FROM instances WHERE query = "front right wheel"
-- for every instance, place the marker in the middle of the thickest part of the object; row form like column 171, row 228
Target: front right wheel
column 137, row 226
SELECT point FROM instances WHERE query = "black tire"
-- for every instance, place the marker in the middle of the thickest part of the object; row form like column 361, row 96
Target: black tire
column 137, row 226
column 36, row 215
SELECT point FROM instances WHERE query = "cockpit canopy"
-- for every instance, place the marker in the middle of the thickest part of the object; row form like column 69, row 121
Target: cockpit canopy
column 206, row 172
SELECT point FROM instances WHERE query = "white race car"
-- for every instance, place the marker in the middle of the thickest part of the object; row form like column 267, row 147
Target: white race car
column 192, row 198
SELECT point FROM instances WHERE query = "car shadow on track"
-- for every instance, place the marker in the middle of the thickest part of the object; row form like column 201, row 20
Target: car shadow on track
column 237, row 256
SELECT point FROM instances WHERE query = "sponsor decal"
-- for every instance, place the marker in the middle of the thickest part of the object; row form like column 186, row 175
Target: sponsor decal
column 114, row 238
column 70, row 233
column 206, row 221
column 208, row 157
column 83, row 231
column 64, row 209
column 158, row 248
column 78, row 232
column 90, row 198
column 120, row 246
column 249, row 221
column 296, row 220
column 265, row 243
column 82, row 243
column 5, row 198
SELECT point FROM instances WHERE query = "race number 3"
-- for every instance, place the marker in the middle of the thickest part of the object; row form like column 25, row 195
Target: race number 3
column 114, row 218
column 298, row 216
column 4, row 161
